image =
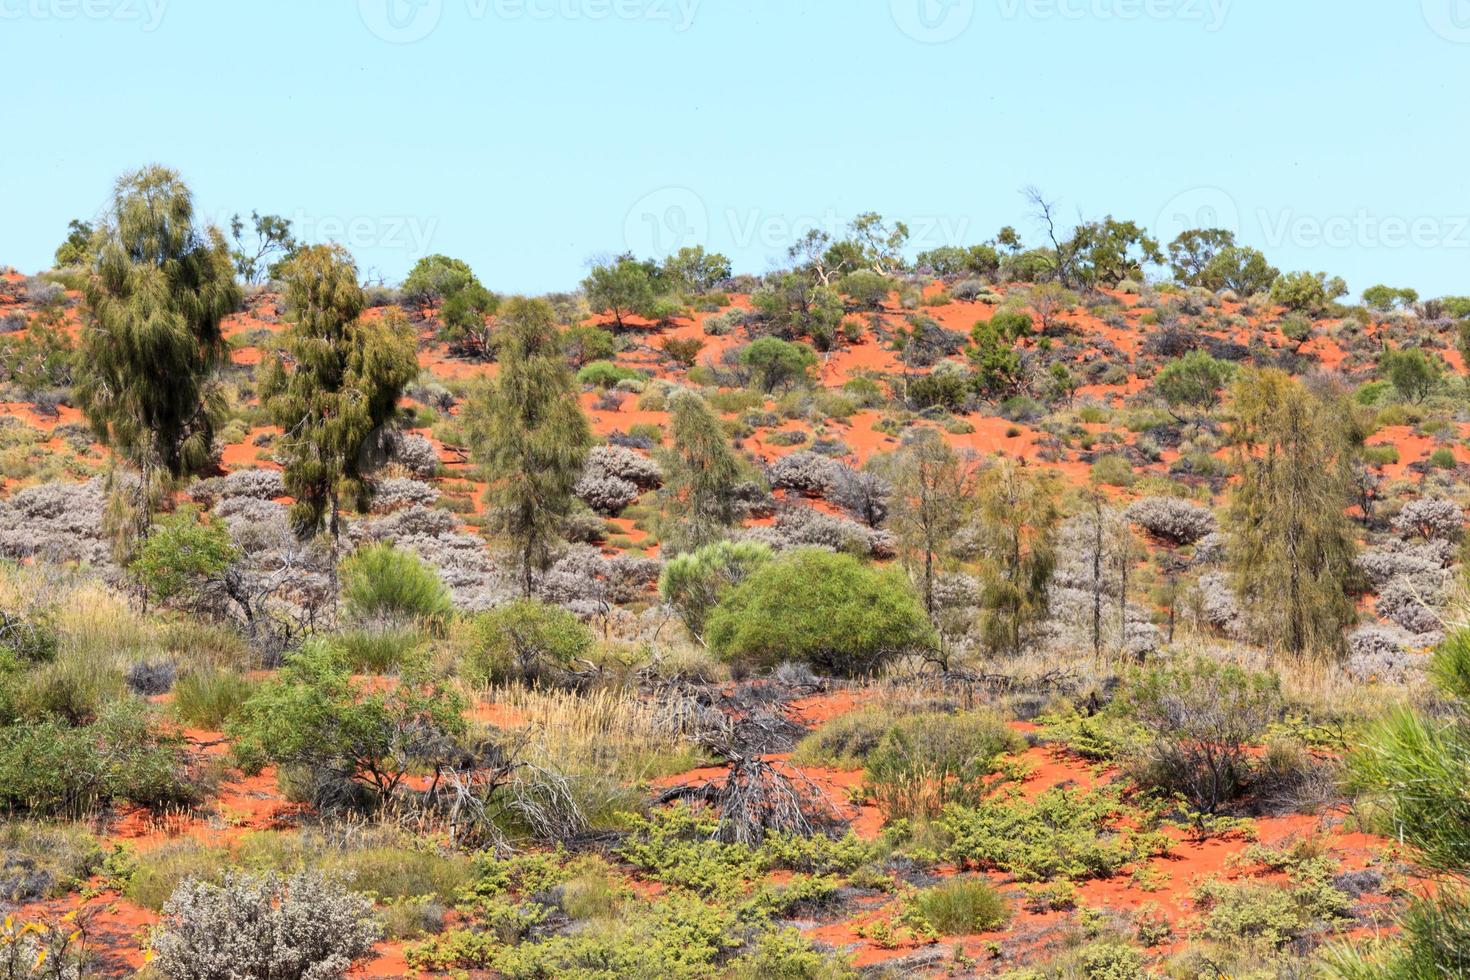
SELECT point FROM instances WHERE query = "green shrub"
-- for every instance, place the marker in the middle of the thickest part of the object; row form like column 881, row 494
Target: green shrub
column 606, row 374
column 694, row 582
column 527, row 640
column 1062, row 833
column 379, row 582
column 1204, row 715
column 924, row 762
column 1443, row 458
column 50, row 769
column 320, row 725
column 960, row 907
column 180, row 555
column 830, row 610
column 777, row 363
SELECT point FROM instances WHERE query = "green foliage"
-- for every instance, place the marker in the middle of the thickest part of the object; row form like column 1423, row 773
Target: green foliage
column 1192, row 252
column 527, row 640
column 379, row 582
column 1385, row 298
column 436, row 278
column 528, row 432
column 584, row 344
column 78, row 248
column 1268, row 916
column 181, row 555
column 797, row 305
column 316, row 719
column 827, row 609
column 1062, row 833
column 272, row 238
column 924, row 762
column 623, row 287
column 1243, row 270
column 48, row 768
column 867, row 289
column 1307, row 292
column 333, row 385
column 996, row 362
column 694, row 582
column 695, row 271
column 1015, row 522
column 1107, row 252
column 776, row 363
column 465, row 314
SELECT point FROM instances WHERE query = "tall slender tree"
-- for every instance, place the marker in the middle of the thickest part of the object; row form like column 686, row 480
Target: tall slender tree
column 333, row 386
column 530, row 435
column 1292, row 546
column 1016, row 517
column 151, row 344
column 704, row 472
column 931, row 488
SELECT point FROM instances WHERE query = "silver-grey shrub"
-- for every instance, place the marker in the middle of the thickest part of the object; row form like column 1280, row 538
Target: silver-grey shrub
column 1172, row 519
column 305, row 927
column 1433, row 518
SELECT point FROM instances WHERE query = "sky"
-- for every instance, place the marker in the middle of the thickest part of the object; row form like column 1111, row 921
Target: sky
column 529, row 137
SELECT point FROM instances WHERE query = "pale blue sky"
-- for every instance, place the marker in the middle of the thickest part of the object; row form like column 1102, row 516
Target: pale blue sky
column 527, row 136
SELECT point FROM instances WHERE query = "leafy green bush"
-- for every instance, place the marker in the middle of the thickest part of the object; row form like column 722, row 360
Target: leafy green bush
column 180, row 555
column 527, row 640
column 830, row 610
column 331, row 730
column 925, row 762
column 47, row 768
column 379, row 582
column 777, row 363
